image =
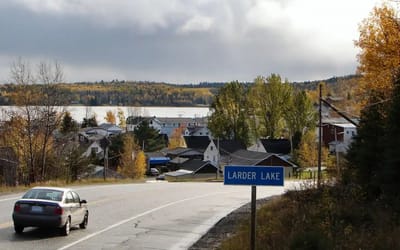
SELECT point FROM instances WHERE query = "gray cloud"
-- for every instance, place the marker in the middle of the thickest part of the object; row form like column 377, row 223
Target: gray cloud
column 180, row 41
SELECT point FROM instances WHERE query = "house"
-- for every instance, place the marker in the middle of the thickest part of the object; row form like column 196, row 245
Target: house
column 111, row 129
column 180, row 155
column 243, row 157
column 275, row 146
column 193, row 169
column 133, row 121
column 197, row 131
column 218, row 152
column 199, row 143
column 91, row 133
column 338, row 136
column 167, row 125
column 96, row 146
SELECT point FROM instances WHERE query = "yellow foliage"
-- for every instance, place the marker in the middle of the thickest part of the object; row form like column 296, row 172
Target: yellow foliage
column 110, row 117
column 140, row 165
column 379, row 59
column 176, row 140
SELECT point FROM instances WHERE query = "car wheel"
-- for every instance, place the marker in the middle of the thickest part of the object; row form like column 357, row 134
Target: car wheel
column 66, row 228
column 85, row 221
column 18, row 229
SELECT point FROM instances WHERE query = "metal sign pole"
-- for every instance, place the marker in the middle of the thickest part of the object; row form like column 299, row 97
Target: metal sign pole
column 253, row 218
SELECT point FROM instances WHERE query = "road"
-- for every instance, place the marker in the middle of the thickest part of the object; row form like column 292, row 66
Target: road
column 151, row 215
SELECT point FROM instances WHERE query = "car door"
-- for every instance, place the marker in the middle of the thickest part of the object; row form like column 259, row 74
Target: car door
column 79, row 208
column 71, row 206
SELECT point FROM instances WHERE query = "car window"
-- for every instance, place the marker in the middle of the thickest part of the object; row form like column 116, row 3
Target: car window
column 76, row 197
column 43, row 194
column 69, row 198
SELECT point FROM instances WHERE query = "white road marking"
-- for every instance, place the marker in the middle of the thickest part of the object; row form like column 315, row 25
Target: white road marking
column 9, row 199
column 133, row 218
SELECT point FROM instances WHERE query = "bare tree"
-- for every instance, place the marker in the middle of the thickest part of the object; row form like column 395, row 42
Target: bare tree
column 52, row 105
column 40, row 109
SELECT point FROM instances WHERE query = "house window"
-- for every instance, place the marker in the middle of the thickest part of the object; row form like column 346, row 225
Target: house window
column 201, row 133
column 94, row 150
column 211, row 148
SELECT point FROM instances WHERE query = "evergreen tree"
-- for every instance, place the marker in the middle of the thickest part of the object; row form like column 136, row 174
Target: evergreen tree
column 148, row 138
column 89, row 122
column 391, row 171
column 68, row 124
column 366, row 153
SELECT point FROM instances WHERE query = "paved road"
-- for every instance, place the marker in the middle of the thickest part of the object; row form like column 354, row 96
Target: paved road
column 152, row 215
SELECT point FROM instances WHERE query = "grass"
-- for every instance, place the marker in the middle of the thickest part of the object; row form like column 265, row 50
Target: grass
column 63, row 183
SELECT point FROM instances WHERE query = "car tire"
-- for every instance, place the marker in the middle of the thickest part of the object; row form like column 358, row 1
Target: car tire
column 66, row 228
column 85, row 221
column 18, row 229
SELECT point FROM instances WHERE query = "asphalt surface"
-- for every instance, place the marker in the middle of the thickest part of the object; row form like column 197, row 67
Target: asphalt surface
column 152, row 215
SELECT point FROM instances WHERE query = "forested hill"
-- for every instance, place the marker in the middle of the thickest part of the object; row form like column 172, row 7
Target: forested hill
column 129, row 93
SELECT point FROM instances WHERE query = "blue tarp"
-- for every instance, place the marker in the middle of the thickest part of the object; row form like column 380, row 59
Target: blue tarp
column 159, row 160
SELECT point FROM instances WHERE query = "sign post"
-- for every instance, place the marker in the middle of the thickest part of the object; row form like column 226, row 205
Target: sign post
column 253, row 176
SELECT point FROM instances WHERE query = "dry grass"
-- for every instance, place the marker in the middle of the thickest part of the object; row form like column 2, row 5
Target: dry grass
column 63, row 183
column 327, row 218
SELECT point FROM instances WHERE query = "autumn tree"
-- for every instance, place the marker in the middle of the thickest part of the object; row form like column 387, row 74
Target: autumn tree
column 307, row 153
column 140, row 165
column 110, row 117
column 176, row 139
column 38, row 103
column 379, row 57
column 229, row 113
column 127, row 158
column 121, row 118
column 268, row 99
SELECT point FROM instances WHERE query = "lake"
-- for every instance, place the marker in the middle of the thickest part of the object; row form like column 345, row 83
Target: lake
column 80, row 112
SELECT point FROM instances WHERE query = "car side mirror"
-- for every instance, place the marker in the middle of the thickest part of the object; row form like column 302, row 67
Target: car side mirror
column 83, row 201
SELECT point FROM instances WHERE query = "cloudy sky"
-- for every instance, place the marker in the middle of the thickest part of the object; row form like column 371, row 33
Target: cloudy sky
column 184, row 41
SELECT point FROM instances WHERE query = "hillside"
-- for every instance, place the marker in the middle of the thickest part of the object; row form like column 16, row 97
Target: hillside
column 132, row 93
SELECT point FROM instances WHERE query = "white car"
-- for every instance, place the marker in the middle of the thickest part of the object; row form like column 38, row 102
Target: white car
column 50, row 207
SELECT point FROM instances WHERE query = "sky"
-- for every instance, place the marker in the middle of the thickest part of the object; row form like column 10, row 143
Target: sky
column 184, row 41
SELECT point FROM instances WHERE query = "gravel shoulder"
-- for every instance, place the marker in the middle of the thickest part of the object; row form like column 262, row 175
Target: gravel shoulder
column 226, row 227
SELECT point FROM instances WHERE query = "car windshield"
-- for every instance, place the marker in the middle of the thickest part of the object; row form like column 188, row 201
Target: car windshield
column 44, row 194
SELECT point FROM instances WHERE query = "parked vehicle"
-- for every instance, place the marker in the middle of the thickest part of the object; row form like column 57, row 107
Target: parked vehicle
column 50, row 207
column 160, row 177
column 153, row 172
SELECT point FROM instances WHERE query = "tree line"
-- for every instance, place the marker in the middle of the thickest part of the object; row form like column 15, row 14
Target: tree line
column 132, row 93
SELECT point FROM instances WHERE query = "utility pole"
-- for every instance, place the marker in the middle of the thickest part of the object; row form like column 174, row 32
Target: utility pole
column 319, row 137
column 218, row 160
